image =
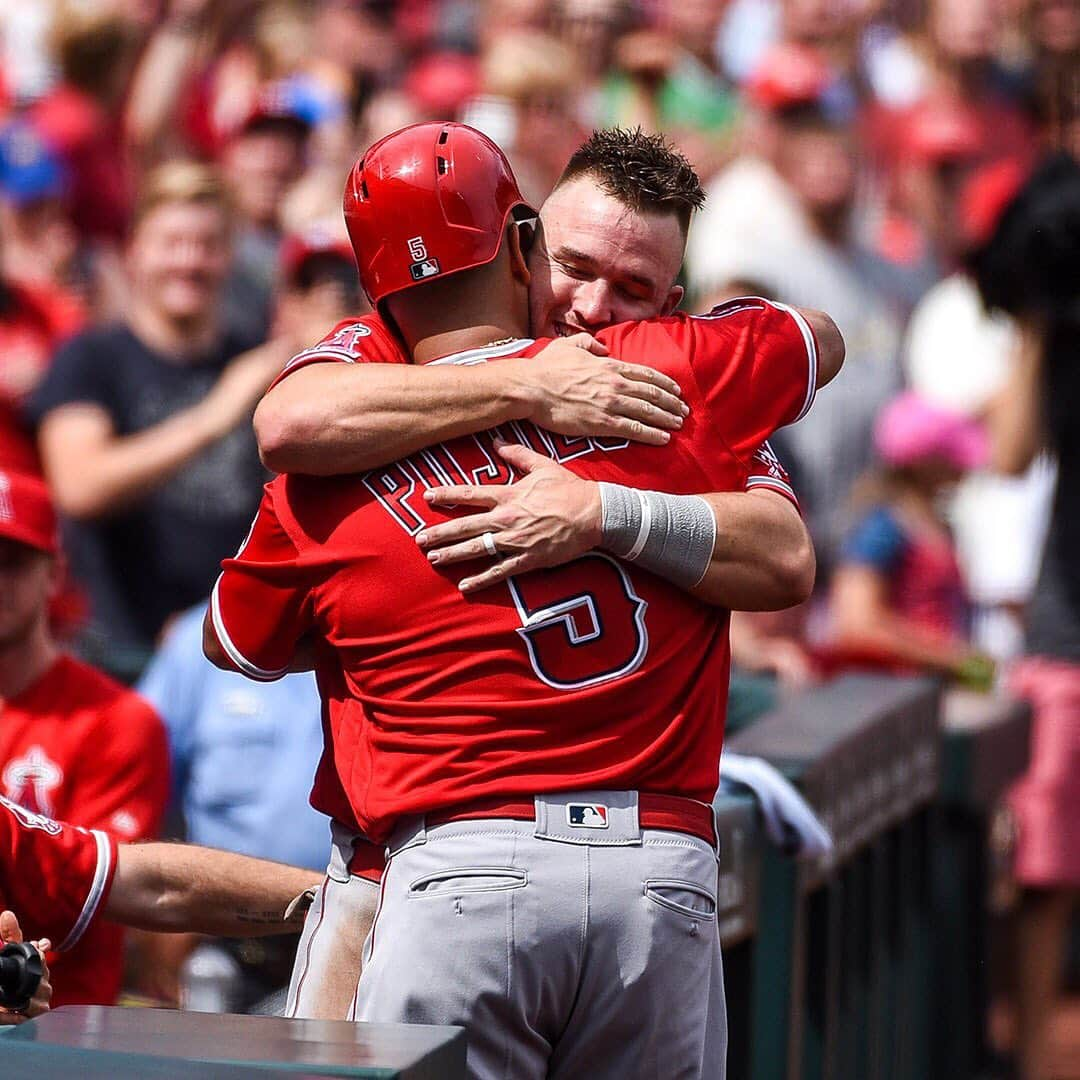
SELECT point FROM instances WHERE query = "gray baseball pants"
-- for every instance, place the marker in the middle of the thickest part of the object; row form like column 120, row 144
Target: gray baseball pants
column 328, row 955
column 564, row 951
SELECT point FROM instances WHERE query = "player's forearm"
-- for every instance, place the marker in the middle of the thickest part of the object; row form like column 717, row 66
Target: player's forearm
column 329, row 419
column 181, row 887
column 763, row 557
column 88, row 483
column 744, row 551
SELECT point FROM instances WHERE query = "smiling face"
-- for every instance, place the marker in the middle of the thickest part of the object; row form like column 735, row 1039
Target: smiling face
column 178, row 259
column 597, row 262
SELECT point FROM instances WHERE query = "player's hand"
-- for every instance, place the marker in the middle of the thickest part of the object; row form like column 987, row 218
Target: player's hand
column 577, row 389
column 11, row 932
column 547, row 518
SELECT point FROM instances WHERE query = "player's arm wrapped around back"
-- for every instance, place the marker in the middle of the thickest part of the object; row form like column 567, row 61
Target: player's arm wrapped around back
column 671, row 535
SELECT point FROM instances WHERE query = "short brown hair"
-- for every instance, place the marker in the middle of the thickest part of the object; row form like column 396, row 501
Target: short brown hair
column 643, row 171
column 179, row 182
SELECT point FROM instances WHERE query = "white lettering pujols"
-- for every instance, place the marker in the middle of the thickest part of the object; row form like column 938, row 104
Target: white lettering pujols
column 473, row 461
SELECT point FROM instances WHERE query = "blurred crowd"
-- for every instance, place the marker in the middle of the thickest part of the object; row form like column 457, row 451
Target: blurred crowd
column 171, row 233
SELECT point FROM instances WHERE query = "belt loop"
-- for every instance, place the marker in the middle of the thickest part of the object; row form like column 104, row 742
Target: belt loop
column 716, row 830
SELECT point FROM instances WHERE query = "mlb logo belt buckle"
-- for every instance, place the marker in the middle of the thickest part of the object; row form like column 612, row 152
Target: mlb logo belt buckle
column 587, row 815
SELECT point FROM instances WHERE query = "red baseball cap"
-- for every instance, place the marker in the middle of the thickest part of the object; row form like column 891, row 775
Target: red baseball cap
column 298, row 247
column 26, row 512
column 938, row 130
column 789, row 74
column 441, row 83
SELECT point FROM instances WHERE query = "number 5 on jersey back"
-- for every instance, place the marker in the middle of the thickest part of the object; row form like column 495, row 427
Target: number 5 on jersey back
column 582, row 623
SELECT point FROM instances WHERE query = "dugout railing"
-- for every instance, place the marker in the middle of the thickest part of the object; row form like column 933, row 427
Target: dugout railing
column 871, row 967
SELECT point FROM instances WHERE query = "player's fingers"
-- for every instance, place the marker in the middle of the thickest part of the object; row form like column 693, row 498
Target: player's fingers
column 655, row 395
column 451, row 532
column 465, row 551
column 462, row 495
column 633, row 408
column 499, row 572
column 587, row 342
column 521, row 457
column 641, row 373
column 42, row 946
column 636, row 431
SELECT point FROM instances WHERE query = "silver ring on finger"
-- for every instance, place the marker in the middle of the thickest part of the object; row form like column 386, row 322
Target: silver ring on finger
column 489, row 544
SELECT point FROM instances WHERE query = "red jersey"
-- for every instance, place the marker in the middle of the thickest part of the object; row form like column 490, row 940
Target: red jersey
column 55, row 877
column 595, row 674
column 78, row 746
column 366, row 339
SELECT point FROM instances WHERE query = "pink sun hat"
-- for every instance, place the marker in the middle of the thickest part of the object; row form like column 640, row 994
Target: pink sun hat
column 911, row 429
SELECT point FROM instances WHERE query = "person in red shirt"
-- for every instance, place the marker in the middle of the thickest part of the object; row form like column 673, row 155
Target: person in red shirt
column 595, row 682
column 65, row 879
column 73, row 743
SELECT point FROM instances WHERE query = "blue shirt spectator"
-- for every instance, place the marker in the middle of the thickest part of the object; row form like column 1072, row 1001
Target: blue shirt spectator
column 244, row 753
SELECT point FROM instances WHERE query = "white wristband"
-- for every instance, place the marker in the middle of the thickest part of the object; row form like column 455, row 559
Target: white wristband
column 671, row 535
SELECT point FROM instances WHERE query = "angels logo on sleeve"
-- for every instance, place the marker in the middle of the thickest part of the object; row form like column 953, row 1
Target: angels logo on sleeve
column 31, row 820
column 342, row 343
column 767, row 471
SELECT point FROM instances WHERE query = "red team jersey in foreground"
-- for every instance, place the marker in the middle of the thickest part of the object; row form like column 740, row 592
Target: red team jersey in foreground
column 55, row 877
column 366, row 340
column 78, row 746
column 595, row 674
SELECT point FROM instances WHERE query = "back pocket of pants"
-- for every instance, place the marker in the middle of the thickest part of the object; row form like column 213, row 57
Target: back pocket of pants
column 456, row 880
column 684, row 897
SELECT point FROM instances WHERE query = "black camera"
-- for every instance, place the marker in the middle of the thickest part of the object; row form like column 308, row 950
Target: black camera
column 21, row 968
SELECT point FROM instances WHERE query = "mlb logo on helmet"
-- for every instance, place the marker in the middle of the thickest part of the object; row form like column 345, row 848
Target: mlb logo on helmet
column 423, row 267
column 587, row 815
column 427, row 268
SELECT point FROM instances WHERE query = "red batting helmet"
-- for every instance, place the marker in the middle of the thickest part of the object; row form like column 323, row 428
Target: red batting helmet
column 428, row 200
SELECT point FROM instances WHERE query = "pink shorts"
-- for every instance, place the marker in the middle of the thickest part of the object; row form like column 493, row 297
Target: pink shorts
column 1046, row 800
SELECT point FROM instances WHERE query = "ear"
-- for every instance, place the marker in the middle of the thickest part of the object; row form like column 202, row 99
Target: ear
column 673, row 299
column 519, row 266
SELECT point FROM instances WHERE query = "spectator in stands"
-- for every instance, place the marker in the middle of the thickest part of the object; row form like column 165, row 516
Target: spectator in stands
column 40, row 244
column 954, row 57
column 320, row 286
column 244, row 756
column 73, row 743
column 897, row 596
column 786, row 218
column 528, row 80
column 958, row 355
column 144, row 425
column 1029, row 268
column 260, row 163
column 79, row 118
column 35, row 316
column 665, row 77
